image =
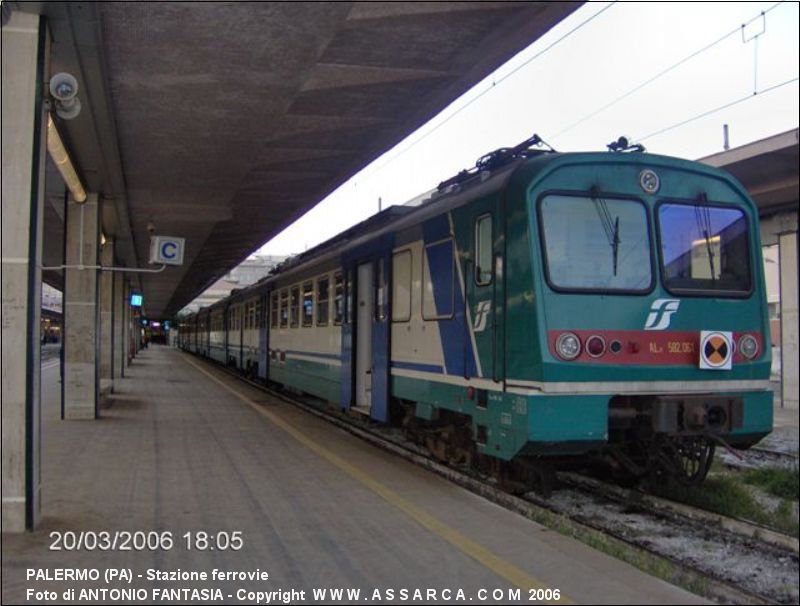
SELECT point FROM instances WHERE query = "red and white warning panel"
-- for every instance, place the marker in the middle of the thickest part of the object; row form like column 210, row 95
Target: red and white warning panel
column 716, row 350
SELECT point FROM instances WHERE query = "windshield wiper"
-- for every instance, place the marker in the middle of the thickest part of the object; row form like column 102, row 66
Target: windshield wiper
column 702, row 216
column 610, row 226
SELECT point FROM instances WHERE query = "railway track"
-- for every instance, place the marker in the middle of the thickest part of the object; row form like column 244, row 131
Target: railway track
column 725, row 559
column 757, row 457
column 659, row 506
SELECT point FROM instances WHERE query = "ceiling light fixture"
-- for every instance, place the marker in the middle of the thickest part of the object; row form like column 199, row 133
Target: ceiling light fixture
column 63, row 162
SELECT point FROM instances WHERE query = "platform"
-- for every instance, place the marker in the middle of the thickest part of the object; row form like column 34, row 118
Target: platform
column 184, row 447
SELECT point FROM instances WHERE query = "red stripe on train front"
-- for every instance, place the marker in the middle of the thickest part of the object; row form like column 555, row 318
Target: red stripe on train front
column 646, row 347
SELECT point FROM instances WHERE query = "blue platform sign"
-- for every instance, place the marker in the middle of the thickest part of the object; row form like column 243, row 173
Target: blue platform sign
column 136, row 300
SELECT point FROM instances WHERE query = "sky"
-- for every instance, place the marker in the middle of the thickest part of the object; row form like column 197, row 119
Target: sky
column 566, row 87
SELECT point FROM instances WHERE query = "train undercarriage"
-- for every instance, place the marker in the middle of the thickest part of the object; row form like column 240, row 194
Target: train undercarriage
column 662, row 437
column 673, row 436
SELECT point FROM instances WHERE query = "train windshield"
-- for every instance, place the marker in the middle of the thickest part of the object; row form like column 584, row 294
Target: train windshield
column 595, row 243
column 704, row 249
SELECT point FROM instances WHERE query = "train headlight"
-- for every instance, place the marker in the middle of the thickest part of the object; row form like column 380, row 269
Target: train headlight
column 568, row 345
column 748, row 346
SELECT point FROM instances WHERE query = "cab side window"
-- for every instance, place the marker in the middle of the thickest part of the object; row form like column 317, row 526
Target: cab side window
column 483, row 250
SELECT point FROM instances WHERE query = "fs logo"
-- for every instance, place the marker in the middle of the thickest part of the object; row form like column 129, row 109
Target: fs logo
column 481, row 314
column 661, row 313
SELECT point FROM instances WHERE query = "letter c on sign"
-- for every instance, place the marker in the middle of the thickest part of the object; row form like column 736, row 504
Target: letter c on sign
column 168, row 246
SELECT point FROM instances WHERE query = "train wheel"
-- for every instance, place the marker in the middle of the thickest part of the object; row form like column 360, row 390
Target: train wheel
column 526, row 474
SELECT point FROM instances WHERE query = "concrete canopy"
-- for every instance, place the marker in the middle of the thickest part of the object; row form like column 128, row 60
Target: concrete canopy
column 767, row 168
column 224, row 122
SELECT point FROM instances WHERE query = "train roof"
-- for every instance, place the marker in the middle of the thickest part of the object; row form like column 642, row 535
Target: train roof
column 491, row 173
column 398, row 217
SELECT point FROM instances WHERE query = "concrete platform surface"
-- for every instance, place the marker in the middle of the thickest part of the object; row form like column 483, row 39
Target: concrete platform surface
column 185, row 448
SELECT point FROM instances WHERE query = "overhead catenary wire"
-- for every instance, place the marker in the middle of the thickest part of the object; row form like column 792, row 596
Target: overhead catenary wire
column 664, row 72
column 494, row 84
column 720, row 108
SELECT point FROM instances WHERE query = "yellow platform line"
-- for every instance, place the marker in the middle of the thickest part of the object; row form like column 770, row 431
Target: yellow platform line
column 476, row 551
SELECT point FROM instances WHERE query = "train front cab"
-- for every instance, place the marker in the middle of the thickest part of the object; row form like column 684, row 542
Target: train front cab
column 645, row 297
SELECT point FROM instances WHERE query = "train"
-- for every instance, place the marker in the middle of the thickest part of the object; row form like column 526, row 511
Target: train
column 538, row 307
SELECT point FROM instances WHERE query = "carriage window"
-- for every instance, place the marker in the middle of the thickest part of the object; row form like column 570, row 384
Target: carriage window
column 308, row 304
column 704, row 248
column 380, row 290
column 284, row 309
column 401, row 286
column 596, row 243
column 437, row 281
column 483, row 250
column 338, row 301
column 350, row 293
column 294, row 307
column 273, row 311
column 322, row 301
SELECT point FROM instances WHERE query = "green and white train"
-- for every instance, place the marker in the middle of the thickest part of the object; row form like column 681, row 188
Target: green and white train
column 541, row 305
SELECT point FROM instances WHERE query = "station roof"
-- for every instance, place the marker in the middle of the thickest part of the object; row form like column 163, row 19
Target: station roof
column 768, row 169
column 224, row 122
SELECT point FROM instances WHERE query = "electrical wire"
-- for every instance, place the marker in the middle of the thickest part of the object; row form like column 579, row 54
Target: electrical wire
column 664, row 72
column 720, row 108
column 494, row 84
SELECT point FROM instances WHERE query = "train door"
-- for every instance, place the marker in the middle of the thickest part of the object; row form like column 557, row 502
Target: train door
column 365, row 303
column 365, row 328
column 243, row 315
column 264, row 324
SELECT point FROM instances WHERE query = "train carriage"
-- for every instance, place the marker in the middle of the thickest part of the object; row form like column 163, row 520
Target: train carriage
column 217, row 332
column 540, row 305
